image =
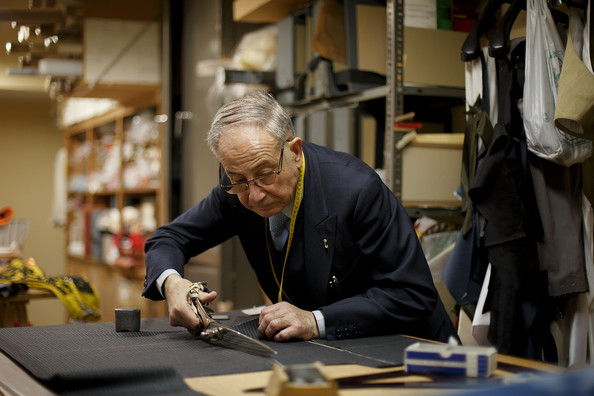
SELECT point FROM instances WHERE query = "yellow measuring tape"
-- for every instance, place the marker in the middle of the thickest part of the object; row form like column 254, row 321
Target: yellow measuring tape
column 296, row 204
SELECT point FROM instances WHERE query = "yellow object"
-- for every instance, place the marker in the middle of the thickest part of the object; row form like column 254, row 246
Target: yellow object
column 296, row 204
column 77, row 294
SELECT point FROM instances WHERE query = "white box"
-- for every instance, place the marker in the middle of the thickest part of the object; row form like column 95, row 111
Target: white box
column 421, row 14
column 470, row 361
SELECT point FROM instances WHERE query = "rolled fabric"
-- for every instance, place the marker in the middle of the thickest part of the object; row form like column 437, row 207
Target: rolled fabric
column 127, row 319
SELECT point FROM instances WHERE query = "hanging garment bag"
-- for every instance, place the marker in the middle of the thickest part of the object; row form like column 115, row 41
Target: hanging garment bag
column 544, row 59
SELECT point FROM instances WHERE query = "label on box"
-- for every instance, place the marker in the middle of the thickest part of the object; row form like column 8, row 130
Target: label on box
column 420, row 13
column 430, row 358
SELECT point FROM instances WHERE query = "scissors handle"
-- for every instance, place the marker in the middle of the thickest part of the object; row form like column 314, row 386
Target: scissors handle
column 193, row 297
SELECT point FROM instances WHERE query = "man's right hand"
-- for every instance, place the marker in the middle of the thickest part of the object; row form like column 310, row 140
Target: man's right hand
column 176, row 291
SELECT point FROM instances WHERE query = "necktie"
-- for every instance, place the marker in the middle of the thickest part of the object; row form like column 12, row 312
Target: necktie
column 279, row 229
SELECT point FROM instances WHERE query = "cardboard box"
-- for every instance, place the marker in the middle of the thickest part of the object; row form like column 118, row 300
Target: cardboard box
column 431, row 166
column 431, row 56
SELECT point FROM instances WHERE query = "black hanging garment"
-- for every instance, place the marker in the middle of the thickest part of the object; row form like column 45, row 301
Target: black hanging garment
column 465, row 270
column 502, row 192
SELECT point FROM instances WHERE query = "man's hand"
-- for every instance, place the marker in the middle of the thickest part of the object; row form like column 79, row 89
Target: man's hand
column 283, row 321
column 176, row 291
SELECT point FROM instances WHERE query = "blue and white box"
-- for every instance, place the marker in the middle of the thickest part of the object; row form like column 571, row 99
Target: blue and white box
column 470, row 361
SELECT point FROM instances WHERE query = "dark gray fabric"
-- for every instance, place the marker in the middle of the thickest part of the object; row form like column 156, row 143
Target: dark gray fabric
column 69, row 356
column 558, row 192
column 131, row 381
column 249, row 327
column 388, row 349
column 384, row 350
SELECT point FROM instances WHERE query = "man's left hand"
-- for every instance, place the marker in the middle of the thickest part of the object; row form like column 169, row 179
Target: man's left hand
column 283, row 321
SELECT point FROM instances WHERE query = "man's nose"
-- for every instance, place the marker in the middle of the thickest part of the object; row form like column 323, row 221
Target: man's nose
column 256, row 193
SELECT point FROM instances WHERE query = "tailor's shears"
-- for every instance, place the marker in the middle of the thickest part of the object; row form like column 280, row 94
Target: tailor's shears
column 219, row 334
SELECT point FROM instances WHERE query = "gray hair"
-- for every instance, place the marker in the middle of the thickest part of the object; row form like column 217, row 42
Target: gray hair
column 258, row 108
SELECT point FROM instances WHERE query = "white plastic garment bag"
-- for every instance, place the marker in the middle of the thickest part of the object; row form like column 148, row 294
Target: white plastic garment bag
column 544, row 60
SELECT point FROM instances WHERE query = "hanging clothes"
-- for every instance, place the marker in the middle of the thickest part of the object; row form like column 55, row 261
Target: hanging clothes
column 568, row 207
column 522, row 215
column 561, row 248
column 465, row 270
column 477, row 137
column 480, row 82
column 502, row 193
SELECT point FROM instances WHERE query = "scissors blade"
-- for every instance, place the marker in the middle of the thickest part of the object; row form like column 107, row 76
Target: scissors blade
column 218, row 334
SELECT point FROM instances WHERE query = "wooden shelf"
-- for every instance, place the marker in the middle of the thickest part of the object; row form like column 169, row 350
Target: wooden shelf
column 265, row 11
column 126, row 94
column 438, row 140
column 140, row 191
column 342, row 99
column 96, row 154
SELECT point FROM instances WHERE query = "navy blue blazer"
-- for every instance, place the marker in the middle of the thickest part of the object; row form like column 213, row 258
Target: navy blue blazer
column 355, row 255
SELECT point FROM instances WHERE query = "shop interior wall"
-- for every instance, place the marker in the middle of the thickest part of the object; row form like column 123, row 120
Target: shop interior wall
column 30, row 141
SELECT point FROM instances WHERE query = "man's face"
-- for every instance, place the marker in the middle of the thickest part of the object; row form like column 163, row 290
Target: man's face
column 247, row 152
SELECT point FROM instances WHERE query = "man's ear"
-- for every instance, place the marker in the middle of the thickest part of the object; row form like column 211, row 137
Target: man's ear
column 295, row 147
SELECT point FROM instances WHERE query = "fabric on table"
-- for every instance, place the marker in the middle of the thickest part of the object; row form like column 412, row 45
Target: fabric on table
column 131, row 381
column 249, row 327
column 388, row 349
column 58, row 355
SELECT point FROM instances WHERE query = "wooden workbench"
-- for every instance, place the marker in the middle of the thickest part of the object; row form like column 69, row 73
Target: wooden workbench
column 95, row 351
column 13, row 309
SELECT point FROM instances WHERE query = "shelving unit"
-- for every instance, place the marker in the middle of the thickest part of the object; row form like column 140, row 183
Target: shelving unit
column 423, row 74
column 115, row 200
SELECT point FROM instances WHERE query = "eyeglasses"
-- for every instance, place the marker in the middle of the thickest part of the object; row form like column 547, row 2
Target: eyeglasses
column 240, row 187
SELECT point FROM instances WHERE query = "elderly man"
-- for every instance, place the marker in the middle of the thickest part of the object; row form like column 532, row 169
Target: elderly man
column 349, row 263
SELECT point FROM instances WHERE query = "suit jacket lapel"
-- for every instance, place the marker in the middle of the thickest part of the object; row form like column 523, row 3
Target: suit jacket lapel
column 319, row 230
